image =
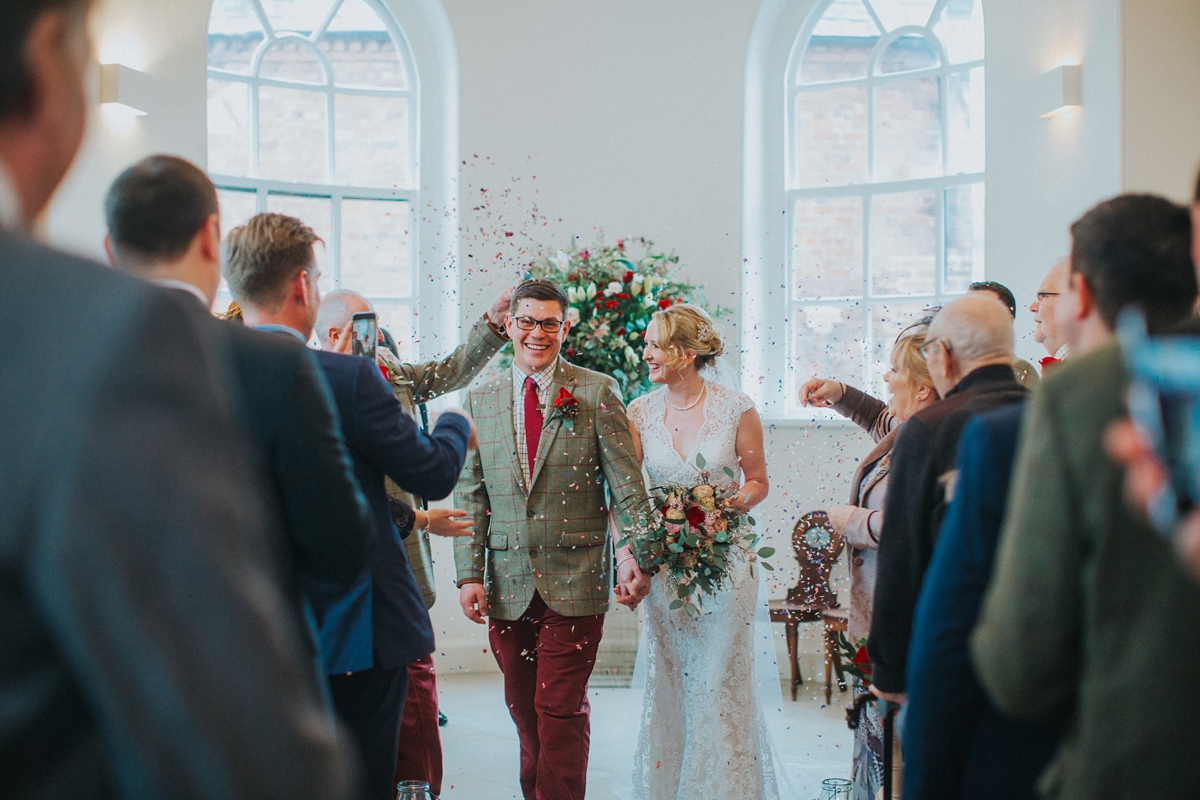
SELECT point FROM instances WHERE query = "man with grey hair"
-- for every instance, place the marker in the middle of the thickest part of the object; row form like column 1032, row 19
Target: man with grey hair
column 969, row 351
column 420, row 751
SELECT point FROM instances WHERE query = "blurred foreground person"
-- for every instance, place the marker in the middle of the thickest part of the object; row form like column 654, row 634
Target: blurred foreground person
column 147, row 648
column 371, row 635
column 420, row 752
column 861, row 522
column 958, row 743
column 163, row 225
column 1086, row 598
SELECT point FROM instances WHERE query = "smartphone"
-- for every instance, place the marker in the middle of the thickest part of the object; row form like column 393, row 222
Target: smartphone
column 1164, row 401
column 364, row 333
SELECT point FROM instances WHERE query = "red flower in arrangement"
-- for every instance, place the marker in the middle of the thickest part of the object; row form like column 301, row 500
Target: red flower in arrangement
column 584, row 255
column 622, row 296
column 570, row 352
column 628, row 276
column 694, row 515
column 664, row 303
column 621, row 249
column 566, row 407
column 610, row 304
column 862, row 660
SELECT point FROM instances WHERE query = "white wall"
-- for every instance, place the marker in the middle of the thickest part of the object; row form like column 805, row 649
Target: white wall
column 627, row 115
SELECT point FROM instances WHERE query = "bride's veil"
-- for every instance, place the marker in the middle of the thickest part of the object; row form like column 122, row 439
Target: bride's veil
column 719, row 371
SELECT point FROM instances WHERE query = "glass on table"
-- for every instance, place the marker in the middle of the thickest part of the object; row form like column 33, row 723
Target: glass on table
column 419, row 790
column 835, row 789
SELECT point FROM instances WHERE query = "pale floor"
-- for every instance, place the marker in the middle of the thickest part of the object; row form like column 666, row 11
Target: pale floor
column 480, row 743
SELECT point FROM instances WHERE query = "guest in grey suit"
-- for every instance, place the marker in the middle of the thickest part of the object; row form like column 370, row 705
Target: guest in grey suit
column 147, row 648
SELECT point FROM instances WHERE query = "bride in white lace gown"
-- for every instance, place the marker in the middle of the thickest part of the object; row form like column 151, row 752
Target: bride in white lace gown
column 703, row 732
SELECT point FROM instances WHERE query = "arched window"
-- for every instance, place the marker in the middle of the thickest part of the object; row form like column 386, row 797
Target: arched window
column 882, row 181
column 313, row 111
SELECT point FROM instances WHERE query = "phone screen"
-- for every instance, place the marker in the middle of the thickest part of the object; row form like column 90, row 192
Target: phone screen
column 365, row 334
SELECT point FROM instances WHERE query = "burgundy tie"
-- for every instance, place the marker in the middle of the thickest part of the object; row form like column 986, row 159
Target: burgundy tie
column 533, row 421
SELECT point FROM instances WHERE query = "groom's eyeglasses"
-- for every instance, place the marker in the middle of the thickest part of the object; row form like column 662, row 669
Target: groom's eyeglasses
column 551, row 325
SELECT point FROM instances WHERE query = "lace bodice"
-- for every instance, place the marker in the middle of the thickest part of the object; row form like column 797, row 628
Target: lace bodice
column 716, row 440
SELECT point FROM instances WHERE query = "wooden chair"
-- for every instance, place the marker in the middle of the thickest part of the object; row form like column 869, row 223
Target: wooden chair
column 817, row 546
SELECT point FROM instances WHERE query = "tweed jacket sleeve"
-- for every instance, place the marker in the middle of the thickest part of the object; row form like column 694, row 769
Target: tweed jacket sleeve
column 618, row 461
column 471, row 495
column 867, row 412
column 456, row 371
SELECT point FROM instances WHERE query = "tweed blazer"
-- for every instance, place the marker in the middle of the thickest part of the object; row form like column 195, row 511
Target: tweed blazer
column 552, row 538
column 420, row 383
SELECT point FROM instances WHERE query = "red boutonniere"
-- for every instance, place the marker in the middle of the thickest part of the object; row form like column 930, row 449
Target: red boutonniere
column 566, row 408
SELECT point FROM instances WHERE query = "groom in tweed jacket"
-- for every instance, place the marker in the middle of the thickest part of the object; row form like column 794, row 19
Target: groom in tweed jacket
column 540, row 561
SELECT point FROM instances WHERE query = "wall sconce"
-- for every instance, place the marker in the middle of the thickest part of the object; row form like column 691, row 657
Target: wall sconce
column 1060, row 90
column 126, row 87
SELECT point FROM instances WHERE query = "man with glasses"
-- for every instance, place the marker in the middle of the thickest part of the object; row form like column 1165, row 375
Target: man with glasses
column 969, row 351
column 1045, row 325
column 539, row 563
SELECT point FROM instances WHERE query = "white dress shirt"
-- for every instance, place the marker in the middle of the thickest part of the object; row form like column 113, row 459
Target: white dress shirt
column 543, row 380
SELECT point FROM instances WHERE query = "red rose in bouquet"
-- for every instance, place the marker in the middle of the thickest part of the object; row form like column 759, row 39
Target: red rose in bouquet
column 694, row 516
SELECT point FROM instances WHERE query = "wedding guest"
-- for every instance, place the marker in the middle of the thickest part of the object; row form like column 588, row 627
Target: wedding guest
column 862, row 521
column 420, row 751
column 969, row 352
column 370, row 635
column 1045, row 328
column 163, row 226
column 1085, row 593
column 147, row 646
column 957, row 743
column 1026, row 375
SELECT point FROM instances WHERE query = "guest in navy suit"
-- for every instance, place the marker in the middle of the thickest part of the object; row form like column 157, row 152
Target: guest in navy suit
column 957, row 744
column 371, row 634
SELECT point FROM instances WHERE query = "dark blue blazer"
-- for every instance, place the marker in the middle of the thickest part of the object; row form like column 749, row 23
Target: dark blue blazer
column 382, row 621
column 956, row 743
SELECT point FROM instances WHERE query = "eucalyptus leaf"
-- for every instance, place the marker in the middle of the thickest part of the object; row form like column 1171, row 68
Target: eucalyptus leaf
column 682, row 591
column 767, row 566
column 700, row 462
column 732, row 475
column 751, row 520
column 766, row 552
column 676, row 604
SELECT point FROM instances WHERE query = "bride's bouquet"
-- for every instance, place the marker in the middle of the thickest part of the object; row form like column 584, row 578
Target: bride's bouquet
column 690, row 534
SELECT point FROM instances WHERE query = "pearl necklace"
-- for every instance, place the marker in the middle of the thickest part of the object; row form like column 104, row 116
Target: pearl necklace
column 690, row 405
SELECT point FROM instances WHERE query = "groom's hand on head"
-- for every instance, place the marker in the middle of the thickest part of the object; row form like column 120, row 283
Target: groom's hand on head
column 473, row 600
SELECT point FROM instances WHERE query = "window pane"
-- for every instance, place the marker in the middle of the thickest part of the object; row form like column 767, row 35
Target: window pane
column 965, row 97
column 840, row 45
column 887, row 321
column 228, row 128
column 397, row 318
column 908, row 130
column 376, row 257
column 299, row 16
column 372, row 141
column 831, row 137
column 233, row 34
column 361, row 49
column 911, row 51
column 315, row 213
column 291, row 139
column 894, row 13
column 290, row 60
column 827, row 253
column 904, row 243
column 960, row 30
column 236, row 207
column 826, row 343
column 964, row 236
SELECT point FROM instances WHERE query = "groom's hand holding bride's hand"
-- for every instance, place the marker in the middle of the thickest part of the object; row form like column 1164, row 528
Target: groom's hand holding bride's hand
column 473, row 599
column 632, row 584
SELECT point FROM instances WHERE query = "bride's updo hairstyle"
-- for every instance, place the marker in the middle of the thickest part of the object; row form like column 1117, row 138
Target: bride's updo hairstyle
column 684, row 327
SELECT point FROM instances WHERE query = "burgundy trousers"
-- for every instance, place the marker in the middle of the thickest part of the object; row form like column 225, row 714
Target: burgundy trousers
column 420, row 756
column 547, row 659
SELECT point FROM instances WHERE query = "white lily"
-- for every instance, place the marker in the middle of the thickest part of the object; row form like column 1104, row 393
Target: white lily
column 562, row 261
column 635, row 288
column 573, row 315
column 648, row 285
column 591, row 291
column 630, row 355
column 612, row 288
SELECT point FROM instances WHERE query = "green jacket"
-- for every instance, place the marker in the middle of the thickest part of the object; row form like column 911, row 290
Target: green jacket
column 1089, row 613
column 420, row 383
column 553, row 539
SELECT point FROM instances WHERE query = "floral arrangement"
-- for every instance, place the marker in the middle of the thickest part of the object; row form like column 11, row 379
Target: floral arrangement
column 854, row 656
column 612, row 295
column 690, row 534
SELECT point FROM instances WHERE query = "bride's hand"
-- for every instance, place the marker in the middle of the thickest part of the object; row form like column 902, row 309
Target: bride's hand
column 632, row 584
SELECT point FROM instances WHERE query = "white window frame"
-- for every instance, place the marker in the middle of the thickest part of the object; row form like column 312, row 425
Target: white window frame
column 427, row 325
column 767, row 337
